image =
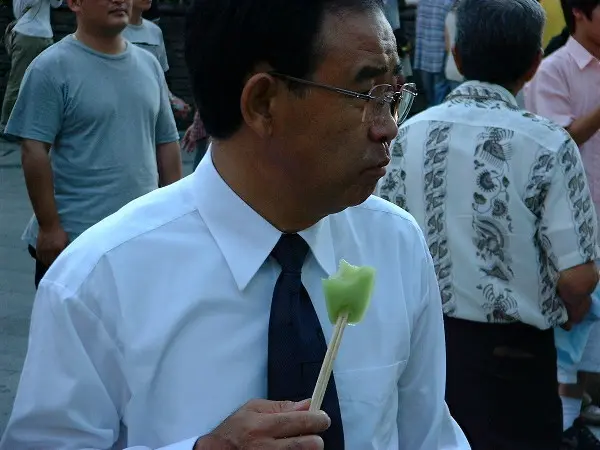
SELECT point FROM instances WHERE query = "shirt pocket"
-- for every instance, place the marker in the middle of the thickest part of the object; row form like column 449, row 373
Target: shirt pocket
column 369, row 406
column 372, row 385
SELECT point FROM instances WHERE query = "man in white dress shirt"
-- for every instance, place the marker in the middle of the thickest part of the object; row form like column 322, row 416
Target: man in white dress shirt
column 152, row 330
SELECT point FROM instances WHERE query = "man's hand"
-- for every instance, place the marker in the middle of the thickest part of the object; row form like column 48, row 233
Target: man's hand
column 50, row 243
column 268, row 425
column 577, row 311
column 180, row 108
column 188, row 143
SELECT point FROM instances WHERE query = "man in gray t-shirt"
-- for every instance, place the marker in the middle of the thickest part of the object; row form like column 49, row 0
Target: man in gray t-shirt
column 98, row 132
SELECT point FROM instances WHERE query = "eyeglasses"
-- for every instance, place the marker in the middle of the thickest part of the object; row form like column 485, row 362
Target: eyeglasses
column 398, row 102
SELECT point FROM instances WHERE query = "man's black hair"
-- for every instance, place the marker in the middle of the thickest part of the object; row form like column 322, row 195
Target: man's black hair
column 585, row 6
column 227, row 39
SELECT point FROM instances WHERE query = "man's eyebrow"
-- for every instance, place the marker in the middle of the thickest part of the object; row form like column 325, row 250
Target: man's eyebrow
column 370, row 72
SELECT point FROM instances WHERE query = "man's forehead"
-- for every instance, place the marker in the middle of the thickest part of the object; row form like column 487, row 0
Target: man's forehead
column 360, row 39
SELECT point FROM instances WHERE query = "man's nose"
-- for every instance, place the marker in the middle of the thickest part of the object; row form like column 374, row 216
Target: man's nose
column 383, row 130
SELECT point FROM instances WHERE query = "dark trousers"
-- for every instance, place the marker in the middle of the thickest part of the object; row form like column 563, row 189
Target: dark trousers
column 40, row 269
column 502, row 386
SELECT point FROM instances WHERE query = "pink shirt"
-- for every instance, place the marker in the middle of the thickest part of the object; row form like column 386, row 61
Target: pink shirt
column 567, row 87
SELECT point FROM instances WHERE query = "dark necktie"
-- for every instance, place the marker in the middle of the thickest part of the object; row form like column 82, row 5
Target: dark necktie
column 296, row 342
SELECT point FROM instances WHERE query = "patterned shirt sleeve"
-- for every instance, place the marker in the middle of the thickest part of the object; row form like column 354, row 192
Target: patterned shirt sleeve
column 568, row 227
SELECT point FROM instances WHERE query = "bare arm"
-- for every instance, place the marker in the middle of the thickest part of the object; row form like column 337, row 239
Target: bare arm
column 39, row 180
column 168, row 158
column 583, row 128
column 575, row 286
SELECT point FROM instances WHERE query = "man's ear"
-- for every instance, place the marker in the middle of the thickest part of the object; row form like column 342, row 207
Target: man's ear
column 258, row 103
column 457, row 60
column 74, row 5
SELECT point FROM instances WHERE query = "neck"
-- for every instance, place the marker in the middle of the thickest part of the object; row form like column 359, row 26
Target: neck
column 515, row 88
column 264, row 190
column 588, row 44
column 109, row 44
column 136, row 17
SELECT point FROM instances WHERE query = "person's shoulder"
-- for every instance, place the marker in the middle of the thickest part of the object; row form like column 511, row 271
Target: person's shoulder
column 378, row 215
column 152, row 27
column 146, row 58
column 555, row 61
column 54, row 56
column 148, row 217
column 541, row 130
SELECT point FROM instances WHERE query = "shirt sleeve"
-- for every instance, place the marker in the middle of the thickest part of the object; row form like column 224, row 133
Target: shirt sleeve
column 548, row 95
column 166, row 128
column 38, row 111
column 424, row 421
column 72, row 389
column 162, row 53
column 568, row 224
column 20, row 6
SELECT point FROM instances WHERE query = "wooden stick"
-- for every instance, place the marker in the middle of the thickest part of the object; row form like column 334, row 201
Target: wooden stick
column 327, row 367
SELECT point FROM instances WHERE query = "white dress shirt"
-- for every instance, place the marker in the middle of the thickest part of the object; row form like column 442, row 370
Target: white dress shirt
column 34, row 21
column 502, row 198
column 151, row 328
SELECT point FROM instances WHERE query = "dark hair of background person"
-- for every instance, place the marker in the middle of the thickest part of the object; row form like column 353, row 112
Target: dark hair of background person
column 498, row 40
column 227, row 41
column 152, row 13
column 557, row 42
column 585, row 6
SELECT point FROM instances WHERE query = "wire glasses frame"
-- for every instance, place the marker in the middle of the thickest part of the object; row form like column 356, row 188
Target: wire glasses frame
column 399, row 101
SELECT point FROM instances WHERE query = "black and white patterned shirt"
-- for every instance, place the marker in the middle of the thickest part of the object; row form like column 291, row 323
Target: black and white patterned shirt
column 503, row 200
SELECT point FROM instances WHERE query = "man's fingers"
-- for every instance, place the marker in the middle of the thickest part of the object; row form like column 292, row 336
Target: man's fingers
column 271, row 407
column 298, row 423
column 300, row 443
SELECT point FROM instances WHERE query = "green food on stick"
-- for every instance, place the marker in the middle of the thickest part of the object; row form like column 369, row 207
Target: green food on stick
column 349, row 291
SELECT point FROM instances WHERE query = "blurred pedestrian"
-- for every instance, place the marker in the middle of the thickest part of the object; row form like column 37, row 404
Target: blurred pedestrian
column 430, row 51
column 148, row 35
column 24, row 39
column 96, row 127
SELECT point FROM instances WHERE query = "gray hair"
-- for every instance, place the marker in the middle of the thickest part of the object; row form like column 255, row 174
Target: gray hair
column 498, row 40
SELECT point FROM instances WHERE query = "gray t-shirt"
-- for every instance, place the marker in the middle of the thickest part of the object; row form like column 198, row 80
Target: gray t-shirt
column 148, row 36
column 104, row 115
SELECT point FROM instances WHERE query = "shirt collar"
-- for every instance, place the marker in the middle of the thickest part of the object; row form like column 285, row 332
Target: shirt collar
column 483, row 90
column 244, row 237
column 581, row 56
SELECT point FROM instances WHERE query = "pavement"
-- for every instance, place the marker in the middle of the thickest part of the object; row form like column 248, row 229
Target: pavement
column 16, row 273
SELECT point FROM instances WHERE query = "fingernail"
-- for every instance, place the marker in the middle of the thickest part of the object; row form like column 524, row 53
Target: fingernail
column 302, row 404
column 325, row 414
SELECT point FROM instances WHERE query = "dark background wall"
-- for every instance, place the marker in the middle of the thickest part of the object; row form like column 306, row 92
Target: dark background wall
column 172, row 25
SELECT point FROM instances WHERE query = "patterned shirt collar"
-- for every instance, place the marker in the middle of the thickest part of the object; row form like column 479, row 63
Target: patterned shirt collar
column 480, row 90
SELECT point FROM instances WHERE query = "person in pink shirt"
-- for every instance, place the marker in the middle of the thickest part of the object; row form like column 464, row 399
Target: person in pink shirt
column 566, row 89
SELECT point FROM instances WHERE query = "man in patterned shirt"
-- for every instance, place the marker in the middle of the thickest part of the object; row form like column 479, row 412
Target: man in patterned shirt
column 503, row 200
column 430, row 51
column 565, row 90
